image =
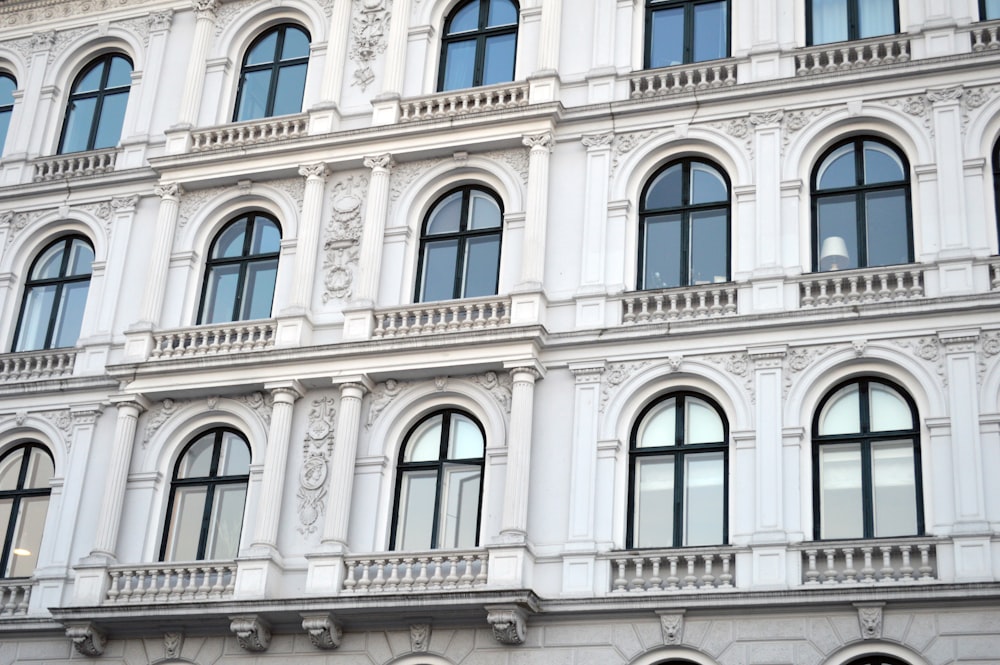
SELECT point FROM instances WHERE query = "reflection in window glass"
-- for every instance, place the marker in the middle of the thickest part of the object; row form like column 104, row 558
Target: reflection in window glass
column 479, row 45
column 7, row 87
column 273, row 74
column 241, row 273
column 685, row 31
column 841, row 20
column 25, row 477
column 990, row 9
column 95, row 111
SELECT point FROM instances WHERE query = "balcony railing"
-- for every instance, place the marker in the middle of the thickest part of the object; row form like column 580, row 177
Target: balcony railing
column 452, row 571
column 35, row 365
column 214, row 339
column 844, row 56
column 14, row 597
column 474, row 100
column 76, row 164
column 443, row 317
column 688, row 569
column 699, row 302
column 685, row 78
column 860, row 287
column 868, row 562
column 985, row 37
column 171, row 583
column 249, row 133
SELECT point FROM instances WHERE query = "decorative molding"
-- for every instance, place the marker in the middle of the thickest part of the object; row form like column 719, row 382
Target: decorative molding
column 516, row 159
column 795, row 121
column 927, row 349
column 917, row 106
column 158, row 415
column 173, row 642
column 972, row 100
column 801, row 358
column 543, row 141
column 207, row 8
column 498, row 385
column 252, row 632
column 383, row 161
column 951, row 94
column 124, row 203
column 766, row 118
column 294, row 187
column 405, row 173
column 138, row 26
column 43, row 41
column 316, row 449
column 87, row 416
column 597, row 141
column 382, row 397
column 192, row 201
column 870, row 620
column 508, row 625
column 369, row 29
column 160, row 20
column 343, row 236
column 261, row 403
column 61, row 420
column 19, row 221
column 324, row 631
column 740, row 129
column 88, row 639
column 420, row 637
column 672, row 627
column 616, row 373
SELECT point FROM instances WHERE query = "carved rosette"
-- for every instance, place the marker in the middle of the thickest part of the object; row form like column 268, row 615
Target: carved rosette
column 252, row 632
column 509, row 626
column 324, row 632
column 87, row 638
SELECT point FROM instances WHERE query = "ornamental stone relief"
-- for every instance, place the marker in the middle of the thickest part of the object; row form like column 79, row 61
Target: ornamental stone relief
column 316, row 450
column 624, row 144
column 369, row 30
column 35, row 14
column 343, row 237
column 928, row 350
column 614, row 375
column 381, row 397
column 159, row 414
column 261, row 403
column 498, row 385
column 798, row 360
column 795, row 121
column 917, row 106
column 517, row 160
column 191, row 202
column 405, row 173
column 972, row 100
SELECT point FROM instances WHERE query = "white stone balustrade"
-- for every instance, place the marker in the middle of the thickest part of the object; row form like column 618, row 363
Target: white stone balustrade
column 239, row 135
column 995, row 276
column 14, row 597
column 860, row 287
column 702, row 302
column 845, row 56
column 32, row 365
column 686, row 78
column 475, row 100
column 215, row 339
column 414, row 573
column 442, row 317
column 985, row 37
column 868, row 562
column 74, row 165
column 171, row 583
column 690, row 569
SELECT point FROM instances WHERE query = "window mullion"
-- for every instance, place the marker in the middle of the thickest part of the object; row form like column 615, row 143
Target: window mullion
column 687, row 55
column 206, row 520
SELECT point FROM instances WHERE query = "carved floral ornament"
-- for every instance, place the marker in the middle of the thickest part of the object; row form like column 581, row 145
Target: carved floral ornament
column 509, row 625
column 369, row 30
column 252, row 632
column 323, row 630
column 343, row 236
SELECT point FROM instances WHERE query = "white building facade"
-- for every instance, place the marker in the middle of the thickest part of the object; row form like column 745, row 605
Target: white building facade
column 455, row 332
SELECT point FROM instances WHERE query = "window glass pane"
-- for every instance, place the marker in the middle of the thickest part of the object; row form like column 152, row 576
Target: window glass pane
column 5, row 508
column 264, row 50
column 446, row 216
column 842, row 412
column 702, row 422
column 197, row 461
column 992, row 9
column 482, row 261
column 120, row 74
column 296, row 44
column 460, row 62
column 838, row 232
column 876, row 17
column 440, row 263
column 459, row 506
column 704, row 493
column 894, row 492
column 888, row 241
column 709, row 247
column 253, row 95
column 291, row 87
column 498, row 65
column 659, row 427
column 266, row 237
column 707, row 184
column 27, row 536
column 4, row 126
column 10, row 471
column 502, row 12
column 234, row 458
column 665, row 191
column 653, row 524
column 709, row 32
column 416, row 510
column 229, row 243
column 466, row 441
column 662, row 248
column 185, row 524
column 258, row 292
column 49, row 263
column 227, row 522
column 109, row 127
column 484, row 212
column 425, row 442
column 39, row 303
column 882, row 164
column 81, row 256
column 91, row 81
column 7, row 88
column 666, row 43
column 40, row 470
column 837, row 170
column 220, row 296
column 829, row 21
column 889, row 411
column 465, row 19
column 840, row 491
column 77, row 133
column 70, row 315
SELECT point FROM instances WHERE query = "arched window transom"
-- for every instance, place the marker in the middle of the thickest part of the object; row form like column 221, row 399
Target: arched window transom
column 25, row 474
column 241, row 270
column 96, row 109
column 273, row 74
column 479, row 44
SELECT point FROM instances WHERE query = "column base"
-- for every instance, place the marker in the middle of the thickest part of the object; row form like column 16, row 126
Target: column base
column 293, row 330
column 358, row 324
column 138, row 344
column 528, row 307
column 325, row 575
column 91, row 583
column 324, row 119
column 511, row 566
column 385, row 110
column 178, row 140
column 258, row 576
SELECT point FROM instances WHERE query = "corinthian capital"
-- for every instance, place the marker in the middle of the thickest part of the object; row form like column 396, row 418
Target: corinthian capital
column 541, row 141
column 383, row 161
column 205, row 8
column 314, row 171
column 168, row 190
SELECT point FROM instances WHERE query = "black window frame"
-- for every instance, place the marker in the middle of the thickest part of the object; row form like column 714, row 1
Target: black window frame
column 16, row 495
column 438, row 464
column 877, row 659
column 859, row 190
column 463, row 235
column 865, row 438
column 8, row 109
column 275, row 66
column 652, row 6
column 481, row 34
column 853, row 23
column 996, row 187
column 677, row 451
column 59, row 282
column 983, row 12
column 210, row 482
column 684, row 210
column 99, row 94
column 244, row 260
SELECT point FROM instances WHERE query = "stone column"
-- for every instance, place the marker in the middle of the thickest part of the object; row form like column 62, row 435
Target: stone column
column 548, row 39
column 159, row 261
column 24, row 137
column 946, row 111
column 195, row 78
column 385, row 106
column 338, row 506
column 358, row 316
column 308, row 241
column 275, row 461
column 515, row 500
column 106, row 538
column 595, row 215
column 325, row 115
column 536, row 211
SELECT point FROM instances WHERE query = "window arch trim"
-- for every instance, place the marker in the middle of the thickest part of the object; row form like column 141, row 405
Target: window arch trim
column 996, row 188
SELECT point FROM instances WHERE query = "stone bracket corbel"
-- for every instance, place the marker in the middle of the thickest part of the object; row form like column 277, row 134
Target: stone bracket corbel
column 509, row 623
column 252, row 632
column 88, row 639
column 324, row 631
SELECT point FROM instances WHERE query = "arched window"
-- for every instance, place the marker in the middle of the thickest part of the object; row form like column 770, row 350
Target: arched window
column 25, row 473
column 460, row 246
column 685, row 31
column 678, row 461
column 55, row 295
column 7, row 87
column 439, row 484
column 479, row 44
column 996, row 181
column 241, row 270
column 861, row 206
column 866, row 463
column 877, row 660
column 840, row 20
column 207, row 495
column 684, row 226
column 273, row 74
column 96, row 109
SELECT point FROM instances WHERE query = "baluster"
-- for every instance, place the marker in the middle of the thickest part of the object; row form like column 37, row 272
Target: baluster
column 850, row 575
column 451, row 581
column 830, row 576
column 807, row 299
column 852, row 294
column 926, row 570
column 638, row 583
column 467, row 577
column 655, row 582
column 365, row 580
column 726, row 578
column 621, row 582
column 643, row 315
column 140, row 585
column 437, row 578
column 393, row 582
column 867, row 573
column 113, row 591
column 378, row 584
column 483, row 576
column 916, row 288
column 162, row 586
column 708, row 579
column 206, row 583
column 905, row 570
column 888, row 573
column 422, row 579
column 672, row 579
column 658, row 312
column 22, row 606
column 690, row 579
